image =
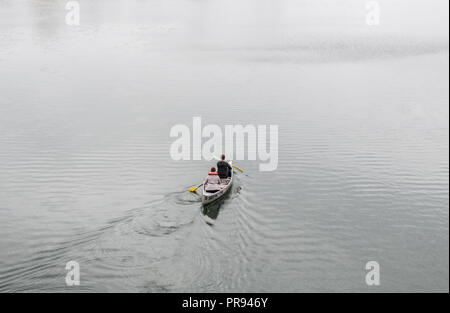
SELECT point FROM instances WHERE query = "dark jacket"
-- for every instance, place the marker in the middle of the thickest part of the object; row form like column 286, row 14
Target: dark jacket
column 223, row 169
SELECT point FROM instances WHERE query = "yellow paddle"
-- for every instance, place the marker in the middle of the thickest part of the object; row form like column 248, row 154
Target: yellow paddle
column 195, row 188
column 237, row 168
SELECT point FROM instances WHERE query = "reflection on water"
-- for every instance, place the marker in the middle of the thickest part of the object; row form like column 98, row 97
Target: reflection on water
column 212, row 209
column 85, row 171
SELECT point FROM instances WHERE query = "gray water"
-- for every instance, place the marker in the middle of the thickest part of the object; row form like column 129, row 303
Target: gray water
column 86, row 175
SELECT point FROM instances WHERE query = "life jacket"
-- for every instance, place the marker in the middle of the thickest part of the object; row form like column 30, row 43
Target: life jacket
column 212, row 182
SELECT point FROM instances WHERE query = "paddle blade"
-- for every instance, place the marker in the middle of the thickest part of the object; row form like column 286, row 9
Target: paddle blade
column 195, row 188
column 238, row 169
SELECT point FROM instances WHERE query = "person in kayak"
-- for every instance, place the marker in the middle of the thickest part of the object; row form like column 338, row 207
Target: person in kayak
column 223, row 168
column 212, row 182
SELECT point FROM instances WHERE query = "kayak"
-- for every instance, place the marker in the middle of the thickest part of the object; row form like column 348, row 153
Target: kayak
column 208, row 197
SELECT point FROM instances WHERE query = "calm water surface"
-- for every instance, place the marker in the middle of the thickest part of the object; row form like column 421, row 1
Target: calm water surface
column 86, row 175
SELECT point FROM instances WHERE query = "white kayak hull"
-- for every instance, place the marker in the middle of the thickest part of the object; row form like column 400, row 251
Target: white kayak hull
column 208, row 197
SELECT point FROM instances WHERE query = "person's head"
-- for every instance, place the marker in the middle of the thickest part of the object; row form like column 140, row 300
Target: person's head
column 213, row 169
column 223, row 157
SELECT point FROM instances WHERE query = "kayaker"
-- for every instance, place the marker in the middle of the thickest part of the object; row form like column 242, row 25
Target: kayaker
column 212, row 182
column 223, row 168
